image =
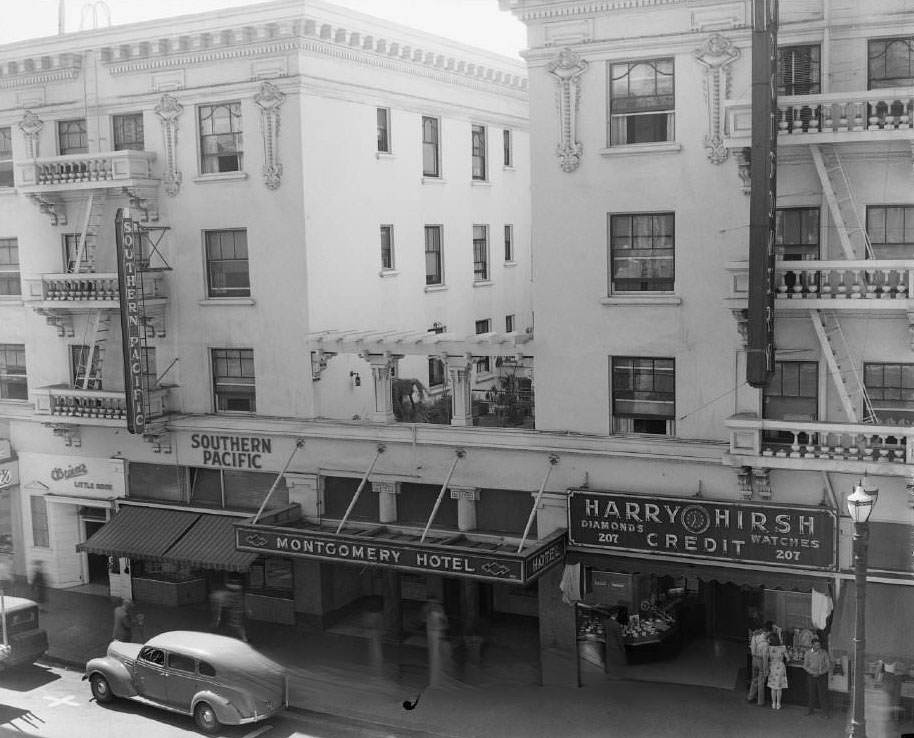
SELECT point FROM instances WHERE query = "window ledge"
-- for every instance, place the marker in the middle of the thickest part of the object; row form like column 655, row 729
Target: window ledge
column 8, row 191
column 483, row 283
column 635, row 300
column 509, row 168
column 426, row 179
column 435, row 287
column 221, row 177
column 11, row 301
column 510, row 264
column 384, row 155
column 213, row 301
column 660, row 147
column 480, row 183
column 388, row 273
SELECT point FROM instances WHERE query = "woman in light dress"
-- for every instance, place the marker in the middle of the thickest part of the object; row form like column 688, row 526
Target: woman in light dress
column 777, row 670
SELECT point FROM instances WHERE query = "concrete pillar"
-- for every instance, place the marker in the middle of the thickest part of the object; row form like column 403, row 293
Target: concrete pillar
column 466, row 497
column 387, row 500
column 392, row 615
column 458, row 369
column 382, row 366
column 308, row 491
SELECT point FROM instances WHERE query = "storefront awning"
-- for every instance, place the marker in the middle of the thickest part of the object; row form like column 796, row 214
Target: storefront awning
column 889, row 610
column 758, row 577
column 200, row 540
column 468, row 555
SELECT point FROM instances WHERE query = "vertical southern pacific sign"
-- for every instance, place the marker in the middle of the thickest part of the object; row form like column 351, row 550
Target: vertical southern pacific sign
column 128, row 242
column 760, row 357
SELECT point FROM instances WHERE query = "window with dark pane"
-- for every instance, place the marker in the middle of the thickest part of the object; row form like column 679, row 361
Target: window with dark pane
column 339, row 492
column 415, row 503
column 642, row 252
column 233, row 380
column 480, row 253
column 890, row 390
column 643, row 395
column 10, row 282
column 891, row 230
column 509, row 243
column 13, row 381
column 72, row 137
column 478, row 145
column 227, row 263
column 431, row 160
column 890, row 62
column 435, row 372
column 6, row 157
column 128, row 132
column 221, row 143
column 383, row 118
column 792, row 394
column 641, row 102
column 507, row 146
column 434, row 268
column 387, row 247
column 484, row 363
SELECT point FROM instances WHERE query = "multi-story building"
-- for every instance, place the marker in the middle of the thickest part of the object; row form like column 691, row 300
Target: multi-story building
column 641, row 120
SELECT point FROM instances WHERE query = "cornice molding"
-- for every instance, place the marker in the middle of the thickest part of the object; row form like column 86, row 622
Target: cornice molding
column 43, row 70
column 570, row 10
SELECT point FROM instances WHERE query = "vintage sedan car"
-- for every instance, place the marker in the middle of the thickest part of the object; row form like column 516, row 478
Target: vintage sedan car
column 218, row 680
column 26, row 642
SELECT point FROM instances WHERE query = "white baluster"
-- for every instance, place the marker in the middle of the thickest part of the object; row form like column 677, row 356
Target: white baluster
column 874, row 115
column 858, row 115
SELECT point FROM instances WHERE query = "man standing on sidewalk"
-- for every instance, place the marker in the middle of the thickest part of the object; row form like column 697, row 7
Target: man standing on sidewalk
column 817, row 665
column 758, row 647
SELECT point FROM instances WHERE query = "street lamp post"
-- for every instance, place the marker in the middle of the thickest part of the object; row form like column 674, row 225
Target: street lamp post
column 860, row 505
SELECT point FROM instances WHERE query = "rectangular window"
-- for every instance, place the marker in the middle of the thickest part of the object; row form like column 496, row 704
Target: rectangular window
column 509, row 243
column 480, row 253
column 10, row 283
column 793, row 392
column 478, row 137
column 431, row 154
column 484, row 364
column 79, row 358
column 890, row 63
column 509, row 324
column 156, row 481
column 384, row 130
column 387, row 247
column 642, row 252
column 233, row 380
column 70, row 251
column 643, row 395
column 641, row 102
column 6, row 157
column 435, row 372
column 13, row 382
column 891, row 230
column 220, row 137
column 227, row 263
column 506, row 145
column 72, row 137
column 890, row 388
column 797, row 234
column 799, row 70
column 434, row 267
column 128, row 132
column 40, row 533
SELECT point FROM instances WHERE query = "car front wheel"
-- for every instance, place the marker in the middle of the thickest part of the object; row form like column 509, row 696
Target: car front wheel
column 101, row 690
column 205, row 718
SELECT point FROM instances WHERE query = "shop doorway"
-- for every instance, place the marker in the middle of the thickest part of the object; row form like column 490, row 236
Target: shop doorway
column 97, row 569
column 731, row 608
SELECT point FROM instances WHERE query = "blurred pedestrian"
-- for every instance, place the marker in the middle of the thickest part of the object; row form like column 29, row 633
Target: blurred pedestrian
column 436, row 625
column 217, row 601
column 39, row 585
column 758, row 646
column 615, row 656
column 817, row 665
column 233, row 611
column 123, row 622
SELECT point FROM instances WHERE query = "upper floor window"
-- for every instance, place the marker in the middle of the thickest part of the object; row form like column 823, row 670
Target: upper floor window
column 431, row 152
column 128, row 132
column 9, row 267
column 484, row 363
column 72, row 137
column 509, row 324
column 220, row 137
column 890, row 63
column 233, row 380
column 227, row 263
column 890, row 389
column 13, row 382
column 478, row 138
column 507, row 147
column 435, row 372
column 387, row 247
column 799, row 70
column 82, row 376
column 643, row 395
column 797, row 234
column 642, row 252
column 891, row 230
column 792, row 393
column 70, row 251
column 383, row 115
column 480, row 253
column 509, row 243
column 434, row 266
column 6, row 157
column 641, row 102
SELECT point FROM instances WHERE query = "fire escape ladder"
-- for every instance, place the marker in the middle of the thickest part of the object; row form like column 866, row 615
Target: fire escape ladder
column 89, row 374
column 842, row 205
column 88, row 234
column 841, row 367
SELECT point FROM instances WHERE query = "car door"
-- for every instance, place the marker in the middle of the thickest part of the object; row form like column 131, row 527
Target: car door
column 149, row 675
column 182, row 680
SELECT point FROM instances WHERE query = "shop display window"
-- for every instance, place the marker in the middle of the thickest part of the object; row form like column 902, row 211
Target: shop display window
column 156, row 481
column 272, row 577
column 235, row 490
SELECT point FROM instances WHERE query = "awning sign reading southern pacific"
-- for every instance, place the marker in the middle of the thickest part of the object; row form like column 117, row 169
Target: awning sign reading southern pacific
column 766, row 534
column 440, row 559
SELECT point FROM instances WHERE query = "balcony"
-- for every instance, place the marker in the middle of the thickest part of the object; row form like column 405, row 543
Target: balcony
column 871, row 284
column 835, row 117
column 851, row 447
column 80, row 292
column 64, row 404
column 110, row 169
column 499, row 408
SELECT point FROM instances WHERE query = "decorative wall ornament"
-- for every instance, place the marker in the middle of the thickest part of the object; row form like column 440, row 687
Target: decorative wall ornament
column 31, row 126
column 269, row 100
column 744, row 168
column 567, row 69
column 716, row 56
column 168, row 110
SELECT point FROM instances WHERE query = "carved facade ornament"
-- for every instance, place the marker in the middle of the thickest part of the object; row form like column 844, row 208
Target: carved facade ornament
column 567, row 69
column 31, row 126
column 716, row 56
column 168, row 110
column 269, row 100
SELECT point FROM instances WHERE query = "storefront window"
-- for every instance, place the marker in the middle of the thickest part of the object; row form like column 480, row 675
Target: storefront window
column 206, row 487
column 504, row 511
column 338, row 493
column 415, row 503
column 156, row 481
column 235, row 490
column 271, row 576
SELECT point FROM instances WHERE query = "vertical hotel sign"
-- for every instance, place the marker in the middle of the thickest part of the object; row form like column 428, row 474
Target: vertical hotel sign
column 762, row 203
column 127, row 240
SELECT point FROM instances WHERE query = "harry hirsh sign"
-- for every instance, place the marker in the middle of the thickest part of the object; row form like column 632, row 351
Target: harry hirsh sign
column 766, row 534
column 475, row 563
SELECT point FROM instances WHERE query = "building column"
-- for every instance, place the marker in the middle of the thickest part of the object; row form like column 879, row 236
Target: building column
column 382, row 370
column 458, row 369
column 387, row 500
column 308, row 491
column 466, row 506
column 392, row 614
column 552, row 514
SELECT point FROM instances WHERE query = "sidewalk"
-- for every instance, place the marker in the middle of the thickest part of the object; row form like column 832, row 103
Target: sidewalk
column 332, row 674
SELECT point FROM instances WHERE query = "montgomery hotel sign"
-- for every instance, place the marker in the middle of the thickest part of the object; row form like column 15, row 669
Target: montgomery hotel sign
column 793, row 536
column 477, row 562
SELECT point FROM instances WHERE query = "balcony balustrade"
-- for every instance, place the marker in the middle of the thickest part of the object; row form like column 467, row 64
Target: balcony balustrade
column 104, row 169
column 92, row 407
column 82, row 291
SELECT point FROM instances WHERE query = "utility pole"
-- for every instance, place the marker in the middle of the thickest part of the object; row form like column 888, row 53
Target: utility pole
column 61, row 16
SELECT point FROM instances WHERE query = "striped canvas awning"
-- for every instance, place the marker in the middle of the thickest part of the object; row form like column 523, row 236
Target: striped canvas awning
column 210, row 544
